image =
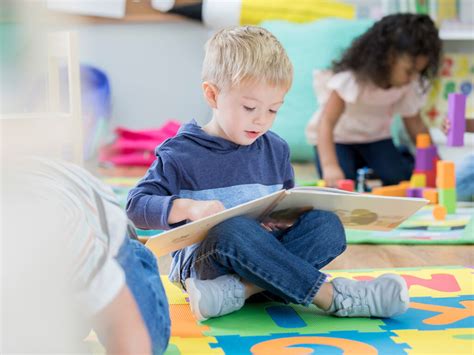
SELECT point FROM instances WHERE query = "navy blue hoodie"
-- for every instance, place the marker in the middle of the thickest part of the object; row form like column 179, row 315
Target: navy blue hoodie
column 196, row 165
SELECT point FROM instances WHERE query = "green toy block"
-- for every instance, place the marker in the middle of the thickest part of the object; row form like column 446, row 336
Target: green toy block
column 447, row 198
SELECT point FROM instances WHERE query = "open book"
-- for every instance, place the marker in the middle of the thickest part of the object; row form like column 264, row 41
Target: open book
column 355, row 210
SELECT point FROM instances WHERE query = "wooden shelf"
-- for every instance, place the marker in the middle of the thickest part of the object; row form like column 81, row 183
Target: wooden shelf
column 135, row 11
column 456, row 31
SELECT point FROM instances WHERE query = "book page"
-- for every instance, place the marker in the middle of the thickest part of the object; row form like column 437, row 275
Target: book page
column 196, row 231
column 356, row 211
column 322, row 189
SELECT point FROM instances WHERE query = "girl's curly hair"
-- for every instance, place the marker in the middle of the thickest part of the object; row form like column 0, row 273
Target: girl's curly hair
column 369, row 55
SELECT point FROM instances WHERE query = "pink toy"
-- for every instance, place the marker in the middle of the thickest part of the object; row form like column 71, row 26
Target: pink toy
column 457, row 119
column 136, row 148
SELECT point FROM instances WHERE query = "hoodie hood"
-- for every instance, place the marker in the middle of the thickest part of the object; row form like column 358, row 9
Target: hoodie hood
column 195, row 133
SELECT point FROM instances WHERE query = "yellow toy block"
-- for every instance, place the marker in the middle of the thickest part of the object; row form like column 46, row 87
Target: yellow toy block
column 423, row 140
column 321, row 183
column 445, row 175
column 418, row 180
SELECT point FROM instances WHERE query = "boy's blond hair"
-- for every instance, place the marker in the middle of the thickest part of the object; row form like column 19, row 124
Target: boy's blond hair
column 246, row 53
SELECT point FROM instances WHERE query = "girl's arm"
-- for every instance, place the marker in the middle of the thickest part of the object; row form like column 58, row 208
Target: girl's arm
column 326, row 149
column 414, row 125
column 470, row 125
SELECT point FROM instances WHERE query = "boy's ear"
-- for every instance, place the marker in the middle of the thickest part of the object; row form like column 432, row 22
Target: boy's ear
column 210, row 93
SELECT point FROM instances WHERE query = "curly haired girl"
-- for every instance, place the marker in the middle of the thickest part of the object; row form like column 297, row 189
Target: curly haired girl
column 385, row 71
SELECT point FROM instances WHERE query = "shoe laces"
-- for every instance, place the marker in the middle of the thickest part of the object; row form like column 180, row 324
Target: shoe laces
column 354, row 301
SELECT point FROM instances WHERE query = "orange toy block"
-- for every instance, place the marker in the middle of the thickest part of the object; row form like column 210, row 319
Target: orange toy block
column 392, row 190
column 423, row 140
column 446, row 178
column 431, row 195
column 439, row 213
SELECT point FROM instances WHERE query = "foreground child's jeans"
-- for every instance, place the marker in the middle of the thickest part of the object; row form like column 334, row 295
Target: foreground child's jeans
column 143, row 280
column 286, row 264
column 465, row 179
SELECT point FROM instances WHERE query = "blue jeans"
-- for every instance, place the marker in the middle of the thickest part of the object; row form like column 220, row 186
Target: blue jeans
column 143, row 280
column 465, row 179
column 285, row 264
column 389, row 164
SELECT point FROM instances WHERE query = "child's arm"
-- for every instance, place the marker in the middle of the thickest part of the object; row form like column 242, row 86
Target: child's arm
column 333, row 110
column 414, row 126
column 470, row 125
column 121, row 327
column 155, row 202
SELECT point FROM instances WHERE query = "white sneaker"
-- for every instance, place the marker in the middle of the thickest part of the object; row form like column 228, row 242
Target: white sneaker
column 383, row 297
column 214, row 298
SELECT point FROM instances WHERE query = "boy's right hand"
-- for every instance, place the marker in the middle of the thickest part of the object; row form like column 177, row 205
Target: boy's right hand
column 192, row 210
column 332, row 174
column 202, row 209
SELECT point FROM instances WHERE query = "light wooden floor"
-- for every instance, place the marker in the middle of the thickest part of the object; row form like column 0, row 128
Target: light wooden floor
column 362, row 256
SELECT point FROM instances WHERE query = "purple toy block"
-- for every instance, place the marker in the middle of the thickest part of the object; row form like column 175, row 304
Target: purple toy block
column 425, row 157
column 415, row 192
column 457, row 119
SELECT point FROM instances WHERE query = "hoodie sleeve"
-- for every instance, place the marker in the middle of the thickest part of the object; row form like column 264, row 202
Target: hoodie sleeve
column 149, row 203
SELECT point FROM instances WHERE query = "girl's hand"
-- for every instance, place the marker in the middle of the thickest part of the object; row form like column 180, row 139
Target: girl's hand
column 201, row 209
column 446, row 126
column 332, row 174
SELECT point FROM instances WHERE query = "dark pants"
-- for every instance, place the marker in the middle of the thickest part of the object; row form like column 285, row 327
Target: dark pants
column 390, row 164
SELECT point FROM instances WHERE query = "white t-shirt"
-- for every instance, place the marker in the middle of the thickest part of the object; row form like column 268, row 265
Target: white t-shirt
column 368, row 111
column 92, row 227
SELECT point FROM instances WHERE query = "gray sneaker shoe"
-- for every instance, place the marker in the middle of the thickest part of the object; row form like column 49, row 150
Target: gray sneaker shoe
column 383, row 297
column 214, row 298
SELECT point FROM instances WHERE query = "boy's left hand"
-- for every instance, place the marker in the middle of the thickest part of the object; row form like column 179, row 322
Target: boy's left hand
column 284, row 219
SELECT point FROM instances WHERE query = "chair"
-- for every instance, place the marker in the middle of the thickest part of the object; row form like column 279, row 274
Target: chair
column 56, row 133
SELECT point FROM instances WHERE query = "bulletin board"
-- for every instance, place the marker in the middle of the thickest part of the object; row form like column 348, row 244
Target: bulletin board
column 456, row 75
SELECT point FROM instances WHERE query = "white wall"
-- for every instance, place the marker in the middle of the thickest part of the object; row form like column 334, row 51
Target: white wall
column 154, row 69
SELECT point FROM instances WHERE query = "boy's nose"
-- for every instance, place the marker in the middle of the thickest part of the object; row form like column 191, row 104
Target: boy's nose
column 259, row 120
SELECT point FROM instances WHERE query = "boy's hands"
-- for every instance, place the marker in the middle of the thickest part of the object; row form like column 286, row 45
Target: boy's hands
column 202, row 209
column 332, row 174
column 284, row 219
column 192, row 210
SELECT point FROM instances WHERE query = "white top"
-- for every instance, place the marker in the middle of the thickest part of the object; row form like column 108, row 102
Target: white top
column 368, row 111
column 92, row 238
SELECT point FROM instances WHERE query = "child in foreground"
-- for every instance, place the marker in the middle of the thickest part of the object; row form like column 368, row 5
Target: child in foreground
column 384, row 72
column 113, row 279
column 234, row 159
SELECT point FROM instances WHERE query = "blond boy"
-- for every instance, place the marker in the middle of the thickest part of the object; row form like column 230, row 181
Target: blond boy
column 234, row 159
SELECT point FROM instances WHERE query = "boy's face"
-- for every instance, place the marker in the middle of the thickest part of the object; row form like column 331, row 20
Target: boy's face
column 244, row 113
